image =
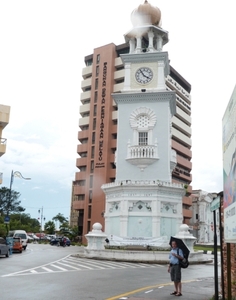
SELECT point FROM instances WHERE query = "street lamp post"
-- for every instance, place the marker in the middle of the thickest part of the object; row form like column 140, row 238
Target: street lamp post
column 13, row 174
column 42, row 218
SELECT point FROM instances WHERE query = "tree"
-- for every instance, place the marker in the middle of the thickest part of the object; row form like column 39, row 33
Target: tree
column 25, row 222
column 59, row 217
column 49, row 227
column 9, row 202
column 19, row 221
column 64, row 227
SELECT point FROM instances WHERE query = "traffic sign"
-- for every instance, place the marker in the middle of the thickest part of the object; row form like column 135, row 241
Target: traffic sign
column 215, row 204
column 6, row 219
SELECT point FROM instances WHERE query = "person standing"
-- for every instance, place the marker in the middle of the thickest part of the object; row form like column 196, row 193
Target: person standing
column 174, row 268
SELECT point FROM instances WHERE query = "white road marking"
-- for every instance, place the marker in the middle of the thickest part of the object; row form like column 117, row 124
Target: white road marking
column 147, row 292
column 70, row 263
column 47, row 269
column 60, row 268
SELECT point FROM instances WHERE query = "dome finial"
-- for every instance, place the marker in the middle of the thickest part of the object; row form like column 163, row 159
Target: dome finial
column 146, row 14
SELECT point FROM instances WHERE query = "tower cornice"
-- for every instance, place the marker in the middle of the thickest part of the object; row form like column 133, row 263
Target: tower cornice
column 147, row 96
column 144, row 57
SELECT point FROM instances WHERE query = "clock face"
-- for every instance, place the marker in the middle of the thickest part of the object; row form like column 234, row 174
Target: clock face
column 143, row 75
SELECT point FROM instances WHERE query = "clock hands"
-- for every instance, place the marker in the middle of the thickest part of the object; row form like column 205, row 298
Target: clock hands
column 148, row 77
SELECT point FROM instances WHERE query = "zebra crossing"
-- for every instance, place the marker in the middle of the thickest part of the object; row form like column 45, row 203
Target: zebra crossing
column 70, row 263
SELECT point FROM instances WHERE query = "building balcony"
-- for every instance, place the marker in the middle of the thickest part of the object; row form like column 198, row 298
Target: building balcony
column 83, row 134
column 182, row 175
column 85, row 96
column 84, row 121
column 112, row 173
column 118, row 87
column 87, row 71
column 112, row 158
column 184, row 162
column 113, row 143
column 181, row 137
column 187, row 213
column 4, row 115
column 181, row 149
column 80, row 176
column 79, row 189
column 78, row 204
column 3, row 146
column 142, row 155
column 114, row 115
column 82, row 148
column 86, row 83
column 85, row 108
column 81, row 161
column 187, row 201
column 181, row 126
column 113, row 128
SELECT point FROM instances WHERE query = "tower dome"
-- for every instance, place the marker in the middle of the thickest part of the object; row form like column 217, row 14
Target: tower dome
column 146, row 14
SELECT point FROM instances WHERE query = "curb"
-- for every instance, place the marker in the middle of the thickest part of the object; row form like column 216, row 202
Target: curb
column 208, row 252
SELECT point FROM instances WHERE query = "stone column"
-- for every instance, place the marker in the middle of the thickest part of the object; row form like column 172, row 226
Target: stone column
column 150, row 38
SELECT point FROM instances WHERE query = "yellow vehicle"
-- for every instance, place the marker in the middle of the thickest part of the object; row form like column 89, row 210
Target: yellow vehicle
column 17, row 244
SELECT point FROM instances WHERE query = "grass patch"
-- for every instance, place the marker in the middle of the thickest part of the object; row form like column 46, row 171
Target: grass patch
column 205, row 247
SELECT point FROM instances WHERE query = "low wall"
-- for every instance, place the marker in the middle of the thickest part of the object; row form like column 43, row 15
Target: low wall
column 158, row 257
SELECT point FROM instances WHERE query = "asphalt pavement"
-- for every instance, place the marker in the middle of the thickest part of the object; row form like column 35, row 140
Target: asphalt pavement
column 191, row 290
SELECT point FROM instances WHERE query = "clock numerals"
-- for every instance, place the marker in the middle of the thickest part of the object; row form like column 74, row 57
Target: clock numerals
column 143, row 75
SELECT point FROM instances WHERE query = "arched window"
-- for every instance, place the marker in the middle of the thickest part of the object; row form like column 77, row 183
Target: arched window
column 142, row 120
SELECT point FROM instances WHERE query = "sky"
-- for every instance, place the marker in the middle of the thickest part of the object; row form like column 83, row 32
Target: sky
column 42, row 49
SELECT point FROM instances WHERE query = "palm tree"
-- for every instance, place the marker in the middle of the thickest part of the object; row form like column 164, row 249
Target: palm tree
column 49, row 227
column 59, row 217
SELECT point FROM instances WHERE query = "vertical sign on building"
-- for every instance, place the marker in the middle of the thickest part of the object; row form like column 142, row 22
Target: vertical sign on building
column 100, row 163
column 229, row 171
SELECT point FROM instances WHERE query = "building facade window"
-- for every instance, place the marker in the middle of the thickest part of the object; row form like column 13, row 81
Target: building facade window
column 143, row 138
column 96, row 83
column 89, row 212
column 83, row 154
column 89, row 226
column 95, row 110
column 80, row 182
column 95, row 97
column 98, row 58
column 89, row 62
column 94, row 123
column 92, row 166
column 91, row 181
column 142, row 121
column 97, row 70
column 92, row 151
column 90, row 196
column 93, row 137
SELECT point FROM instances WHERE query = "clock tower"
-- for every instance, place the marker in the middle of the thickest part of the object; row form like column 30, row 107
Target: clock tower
column 143, row 202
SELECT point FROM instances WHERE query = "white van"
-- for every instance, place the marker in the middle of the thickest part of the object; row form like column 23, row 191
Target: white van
column 20, row 233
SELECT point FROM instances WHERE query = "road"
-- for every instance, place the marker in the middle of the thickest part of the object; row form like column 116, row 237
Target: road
column 50, row 272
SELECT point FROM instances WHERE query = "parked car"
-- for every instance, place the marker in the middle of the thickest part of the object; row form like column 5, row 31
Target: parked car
column 20, row 233
column 60, row 241
column 33, row 236
column 4, row 247
column 17, row 244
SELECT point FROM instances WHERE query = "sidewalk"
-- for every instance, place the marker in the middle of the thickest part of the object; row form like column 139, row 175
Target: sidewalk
column 201, row 289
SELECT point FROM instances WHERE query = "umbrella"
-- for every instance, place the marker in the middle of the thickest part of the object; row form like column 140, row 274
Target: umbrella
column 181, row 245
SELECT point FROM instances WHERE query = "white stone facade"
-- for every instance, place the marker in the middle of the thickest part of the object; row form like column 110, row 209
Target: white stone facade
column 143, row 201
column 202, row 220
column 143, row 208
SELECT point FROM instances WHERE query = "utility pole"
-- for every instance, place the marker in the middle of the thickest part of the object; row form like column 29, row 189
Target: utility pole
column 41, row 218
column 13, row 174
